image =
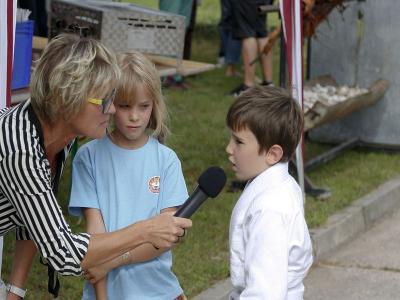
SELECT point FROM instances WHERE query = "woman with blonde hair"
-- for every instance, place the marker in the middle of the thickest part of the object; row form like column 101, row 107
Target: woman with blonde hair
column 72, row 92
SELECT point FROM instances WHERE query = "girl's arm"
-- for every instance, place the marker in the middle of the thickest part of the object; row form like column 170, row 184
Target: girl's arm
column 142, row 253
column 94, row 225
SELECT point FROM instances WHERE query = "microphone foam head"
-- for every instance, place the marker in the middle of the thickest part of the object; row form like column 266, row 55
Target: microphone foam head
column 212, row 181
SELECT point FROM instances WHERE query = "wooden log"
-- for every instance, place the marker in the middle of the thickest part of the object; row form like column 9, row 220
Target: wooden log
column 321, row 113
column 186, row 68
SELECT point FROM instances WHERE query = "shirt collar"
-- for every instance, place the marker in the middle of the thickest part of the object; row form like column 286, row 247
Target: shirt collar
column 271, row 176
column 35, row 120
column 61, row 156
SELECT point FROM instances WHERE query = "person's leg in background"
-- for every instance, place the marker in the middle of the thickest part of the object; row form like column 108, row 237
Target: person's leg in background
column 183, row 8
column 262, row 40
column 186, row 8
column 223, row 30
column 266, row 62
column 230, row 48
column 232, row 57
column 187, row 50
column 250, row 26
column 233, row 47
column 249, row 53
column 223, row 40
column 244, row 15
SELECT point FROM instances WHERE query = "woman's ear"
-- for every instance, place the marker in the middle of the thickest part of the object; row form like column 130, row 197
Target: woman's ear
column 274, row 154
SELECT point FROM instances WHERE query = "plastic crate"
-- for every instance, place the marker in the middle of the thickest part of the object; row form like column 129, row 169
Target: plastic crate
column 22, row 62
column 121, row 26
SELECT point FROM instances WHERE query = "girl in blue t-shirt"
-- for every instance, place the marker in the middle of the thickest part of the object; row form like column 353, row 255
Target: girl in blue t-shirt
column 129, row 176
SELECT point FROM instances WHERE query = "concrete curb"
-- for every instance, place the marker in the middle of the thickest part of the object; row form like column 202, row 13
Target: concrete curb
column 356, row 218
column 219, row 291
column 339, row 229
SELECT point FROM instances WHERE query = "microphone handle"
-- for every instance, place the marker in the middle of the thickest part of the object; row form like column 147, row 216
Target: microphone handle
column 191, row 204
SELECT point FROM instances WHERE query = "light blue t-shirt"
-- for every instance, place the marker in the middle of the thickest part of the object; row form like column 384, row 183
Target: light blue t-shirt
column 128, row 186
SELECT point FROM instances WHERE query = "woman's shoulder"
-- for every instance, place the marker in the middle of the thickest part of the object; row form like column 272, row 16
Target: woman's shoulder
column 26, row 135
column 3, row 111
column 17, row 112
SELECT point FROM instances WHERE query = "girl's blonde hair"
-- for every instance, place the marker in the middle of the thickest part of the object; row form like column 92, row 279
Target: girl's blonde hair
column 70, row 70
column 137, row 69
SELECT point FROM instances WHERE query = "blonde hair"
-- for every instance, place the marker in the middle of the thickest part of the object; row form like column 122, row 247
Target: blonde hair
column 70, row 70
column 137, row 69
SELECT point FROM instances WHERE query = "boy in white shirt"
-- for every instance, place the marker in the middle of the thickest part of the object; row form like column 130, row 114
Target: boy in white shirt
column 270, row 246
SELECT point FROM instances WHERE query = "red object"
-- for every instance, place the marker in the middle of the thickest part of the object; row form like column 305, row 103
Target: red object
column 10, row 42
column 291, row 13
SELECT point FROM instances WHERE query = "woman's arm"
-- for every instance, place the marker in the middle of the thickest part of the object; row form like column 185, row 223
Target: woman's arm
column 142, row 253
column 162, row 231
column 25, row 252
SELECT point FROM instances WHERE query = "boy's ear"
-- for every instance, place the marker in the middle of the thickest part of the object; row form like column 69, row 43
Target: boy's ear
column 274, row 154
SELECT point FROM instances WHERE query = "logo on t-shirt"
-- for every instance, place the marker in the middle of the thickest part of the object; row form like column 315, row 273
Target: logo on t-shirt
column 154, row 184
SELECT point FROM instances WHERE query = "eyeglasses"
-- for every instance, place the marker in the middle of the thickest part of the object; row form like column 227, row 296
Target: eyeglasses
column 82, row 31
column 105, row 103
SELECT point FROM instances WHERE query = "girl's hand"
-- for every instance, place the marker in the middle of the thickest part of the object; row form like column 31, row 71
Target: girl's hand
column 94, row 274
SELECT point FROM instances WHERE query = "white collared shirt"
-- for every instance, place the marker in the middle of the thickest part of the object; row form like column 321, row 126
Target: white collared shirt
column 270, row 246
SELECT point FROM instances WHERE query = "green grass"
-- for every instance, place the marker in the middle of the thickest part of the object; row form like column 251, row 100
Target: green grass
column 199, row 138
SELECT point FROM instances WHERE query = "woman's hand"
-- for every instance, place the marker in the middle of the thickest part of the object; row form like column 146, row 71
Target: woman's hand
column 165, row 230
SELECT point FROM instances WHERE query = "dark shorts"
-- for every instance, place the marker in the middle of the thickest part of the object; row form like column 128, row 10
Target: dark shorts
column 247, row 22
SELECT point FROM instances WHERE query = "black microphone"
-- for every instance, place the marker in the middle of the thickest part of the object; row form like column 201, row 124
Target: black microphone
column 210, row 184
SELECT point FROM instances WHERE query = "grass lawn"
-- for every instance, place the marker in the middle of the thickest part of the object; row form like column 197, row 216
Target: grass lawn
column 199, row 138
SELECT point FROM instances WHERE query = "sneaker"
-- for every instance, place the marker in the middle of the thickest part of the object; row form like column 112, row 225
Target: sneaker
column 239, row 90
column 267, row 83
column 220, row 61
column 175, row 82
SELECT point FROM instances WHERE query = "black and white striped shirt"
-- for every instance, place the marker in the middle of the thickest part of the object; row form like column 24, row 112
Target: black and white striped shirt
column 27, row 198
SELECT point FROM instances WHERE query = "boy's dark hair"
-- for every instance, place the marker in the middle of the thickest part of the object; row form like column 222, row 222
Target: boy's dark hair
column 272, row 115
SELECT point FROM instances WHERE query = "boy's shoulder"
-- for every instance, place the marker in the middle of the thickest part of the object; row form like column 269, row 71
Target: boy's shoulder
column 285, row 197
